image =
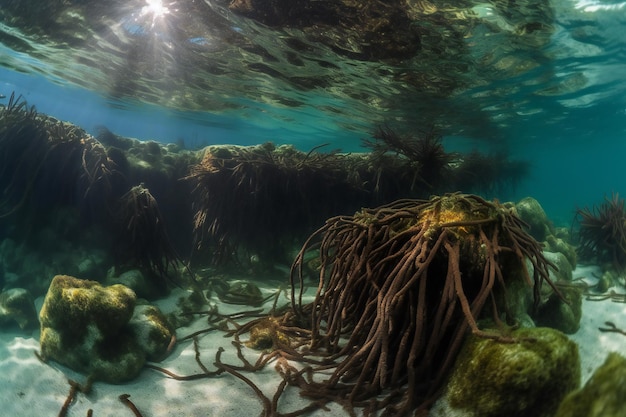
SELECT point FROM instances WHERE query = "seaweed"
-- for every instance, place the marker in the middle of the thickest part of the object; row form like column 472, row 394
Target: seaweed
column 602, row 232
column 418, row 161
column 242, row 196
column 44, row 161
column 142, row 239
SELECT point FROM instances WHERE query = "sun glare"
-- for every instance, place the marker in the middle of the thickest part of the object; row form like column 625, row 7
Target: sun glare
column 155, row 10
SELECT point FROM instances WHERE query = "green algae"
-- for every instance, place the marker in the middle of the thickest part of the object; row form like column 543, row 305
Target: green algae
column 526, row 378
column 603, row 395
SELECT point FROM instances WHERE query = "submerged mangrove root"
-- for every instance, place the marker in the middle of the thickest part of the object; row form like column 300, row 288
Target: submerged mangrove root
column 611, row 328
column 124, row 398
column 75, row 387
column 400, row 285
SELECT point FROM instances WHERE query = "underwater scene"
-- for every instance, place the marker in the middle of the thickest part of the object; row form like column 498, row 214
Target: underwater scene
column 289, row 208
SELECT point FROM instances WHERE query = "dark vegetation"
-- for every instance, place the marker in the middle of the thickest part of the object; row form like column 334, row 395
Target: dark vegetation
column 142, row 239
column 256, row 200
column 261, row 200
column 602, row 233
column 55, row 176
column 399, row 285
column 223, row 205
column 47, row 163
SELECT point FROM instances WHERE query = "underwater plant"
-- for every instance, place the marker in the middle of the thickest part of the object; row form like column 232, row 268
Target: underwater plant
column 142, row 239
column 489, row 174
column 418, row 161
column 399, row 287
column 602, row 232
column 47, row 161
column 243, row 195
column 23, row 148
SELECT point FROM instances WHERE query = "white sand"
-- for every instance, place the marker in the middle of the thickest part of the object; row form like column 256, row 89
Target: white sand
column 594, row 345
column 29, row 388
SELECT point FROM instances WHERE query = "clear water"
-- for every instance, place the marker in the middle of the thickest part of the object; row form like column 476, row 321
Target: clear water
column 544, row 81
column 552, row 93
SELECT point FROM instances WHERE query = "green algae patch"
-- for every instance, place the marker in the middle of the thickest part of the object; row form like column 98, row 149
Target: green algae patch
column 153, row 331
column 603, row 395
column 562, row 312
column 97, row 330
column 74, row 305
column 529, row 377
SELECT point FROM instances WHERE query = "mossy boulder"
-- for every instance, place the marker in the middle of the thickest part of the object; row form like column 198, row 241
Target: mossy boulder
column 529, row 210
column 562, row 312
column 153, row 332
column 86, row 327
column 559, row 243
column 529, row 377
column 18, row 307
column 137, row 281
column 564, row 268
column 603, row 395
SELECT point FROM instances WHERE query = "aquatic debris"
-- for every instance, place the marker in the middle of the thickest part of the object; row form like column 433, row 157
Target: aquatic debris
column 75, row 387
column 610, row 295
column 205, row 374
column 124, row 398
column 611, row 327
column 594, row 292
column 17, row 306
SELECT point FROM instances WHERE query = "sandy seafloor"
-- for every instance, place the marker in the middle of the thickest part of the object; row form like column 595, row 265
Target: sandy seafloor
column 30, row 388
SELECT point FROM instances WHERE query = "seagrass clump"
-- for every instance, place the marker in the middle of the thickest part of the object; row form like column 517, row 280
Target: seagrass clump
column 602, row 233
column 399, row 288
column 142, row 237
column 47, row 162
column 243, row 195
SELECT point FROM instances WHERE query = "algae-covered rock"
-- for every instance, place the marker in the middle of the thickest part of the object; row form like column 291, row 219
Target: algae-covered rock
column 527, row 378
column 562, row 312
column 603, row 395
column 559, row 243
column 18, row 307
column 152, row 331
column 192, row 300
column 84, row 326
column 529, row 210
column 564, row 269
column 137, row 281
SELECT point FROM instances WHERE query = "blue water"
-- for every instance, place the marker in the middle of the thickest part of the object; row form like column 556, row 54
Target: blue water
column 566, row 115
